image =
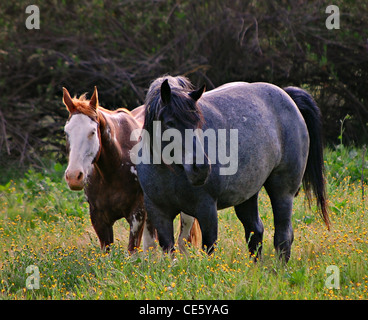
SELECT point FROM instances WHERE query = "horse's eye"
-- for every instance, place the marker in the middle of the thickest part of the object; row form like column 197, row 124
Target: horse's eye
column 170, row 124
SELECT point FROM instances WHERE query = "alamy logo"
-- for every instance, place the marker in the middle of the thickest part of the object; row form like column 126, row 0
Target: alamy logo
column 33, row 281
column 333, row 20
column 333, row 279
column 170, row 147
column 33, row 20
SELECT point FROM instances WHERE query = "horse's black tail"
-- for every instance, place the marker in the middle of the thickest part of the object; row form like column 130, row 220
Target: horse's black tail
column 314, row 173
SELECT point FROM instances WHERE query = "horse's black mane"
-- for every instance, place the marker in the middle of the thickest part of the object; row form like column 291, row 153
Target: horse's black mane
column 182, row 106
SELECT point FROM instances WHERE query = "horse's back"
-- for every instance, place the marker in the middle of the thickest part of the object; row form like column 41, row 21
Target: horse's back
column 242, row 97
column 139, row 113
column 256, row 109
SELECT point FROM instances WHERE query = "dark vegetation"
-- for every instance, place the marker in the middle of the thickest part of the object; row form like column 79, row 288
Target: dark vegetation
column 121, row 46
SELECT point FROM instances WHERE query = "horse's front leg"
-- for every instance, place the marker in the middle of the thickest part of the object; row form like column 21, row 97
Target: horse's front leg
column 102, row 227
column 162, row 221
column 206, row 215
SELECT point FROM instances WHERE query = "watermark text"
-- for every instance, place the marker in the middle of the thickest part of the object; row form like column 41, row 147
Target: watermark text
column 33, row 20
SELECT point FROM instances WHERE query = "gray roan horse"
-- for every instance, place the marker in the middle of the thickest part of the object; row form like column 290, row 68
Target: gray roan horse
column 279, row 147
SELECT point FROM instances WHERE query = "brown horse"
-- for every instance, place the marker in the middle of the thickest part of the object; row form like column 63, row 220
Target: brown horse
column 98, row 142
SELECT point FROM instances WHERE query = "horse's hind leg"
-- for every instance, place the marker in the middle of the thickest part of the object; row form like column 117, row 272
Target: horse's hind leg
column 149, row 235
column 282, row 206
column 247, row 213
column 284, row 235
column 136, row 223
column 189, row 232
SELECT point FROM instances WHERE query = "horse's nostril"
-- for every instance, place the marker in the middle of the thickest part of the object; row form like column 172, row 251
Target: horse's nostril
column 80, row 176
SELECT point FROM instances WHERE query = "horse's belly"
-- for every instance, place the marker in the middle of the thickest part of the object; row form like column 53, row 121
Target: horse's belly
column 249, row 179
column 234, row 196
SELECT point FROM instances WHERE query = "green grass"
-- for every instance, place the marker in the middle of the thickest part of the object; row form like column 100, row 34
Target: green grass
column 44, row 224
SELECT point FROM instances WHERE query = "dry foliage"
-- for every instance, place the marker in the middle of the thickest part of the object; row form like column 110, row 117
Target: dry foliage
column 121, row 46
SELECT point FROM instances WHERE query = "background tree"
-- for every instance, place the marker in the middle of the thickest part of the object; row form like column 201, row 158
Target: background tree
column 121, row 46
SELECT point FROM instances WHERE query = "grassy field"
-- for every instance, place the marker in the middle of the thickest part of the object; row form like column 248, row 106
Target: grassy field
column 44, row 225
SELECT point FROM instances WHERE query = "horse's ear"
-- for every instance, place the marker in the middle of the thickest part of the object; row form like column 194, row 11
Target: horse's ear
column 68, row 101
column 94, row 100
column 165, row 92
column 195, row 95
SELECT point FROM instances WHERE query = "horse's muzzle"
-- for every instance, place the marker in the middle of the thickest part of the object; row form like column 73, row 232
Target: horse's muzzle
column 75, row 180
column 197, row 174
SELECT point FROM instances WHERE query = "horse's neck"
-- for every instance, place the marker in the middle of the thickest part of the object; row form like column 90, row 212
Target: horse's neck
column 112, row 152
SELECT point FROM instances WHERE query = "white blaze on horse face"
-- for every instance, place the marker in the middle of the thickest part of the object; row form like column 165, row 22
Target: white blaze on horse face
column 84, row 146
